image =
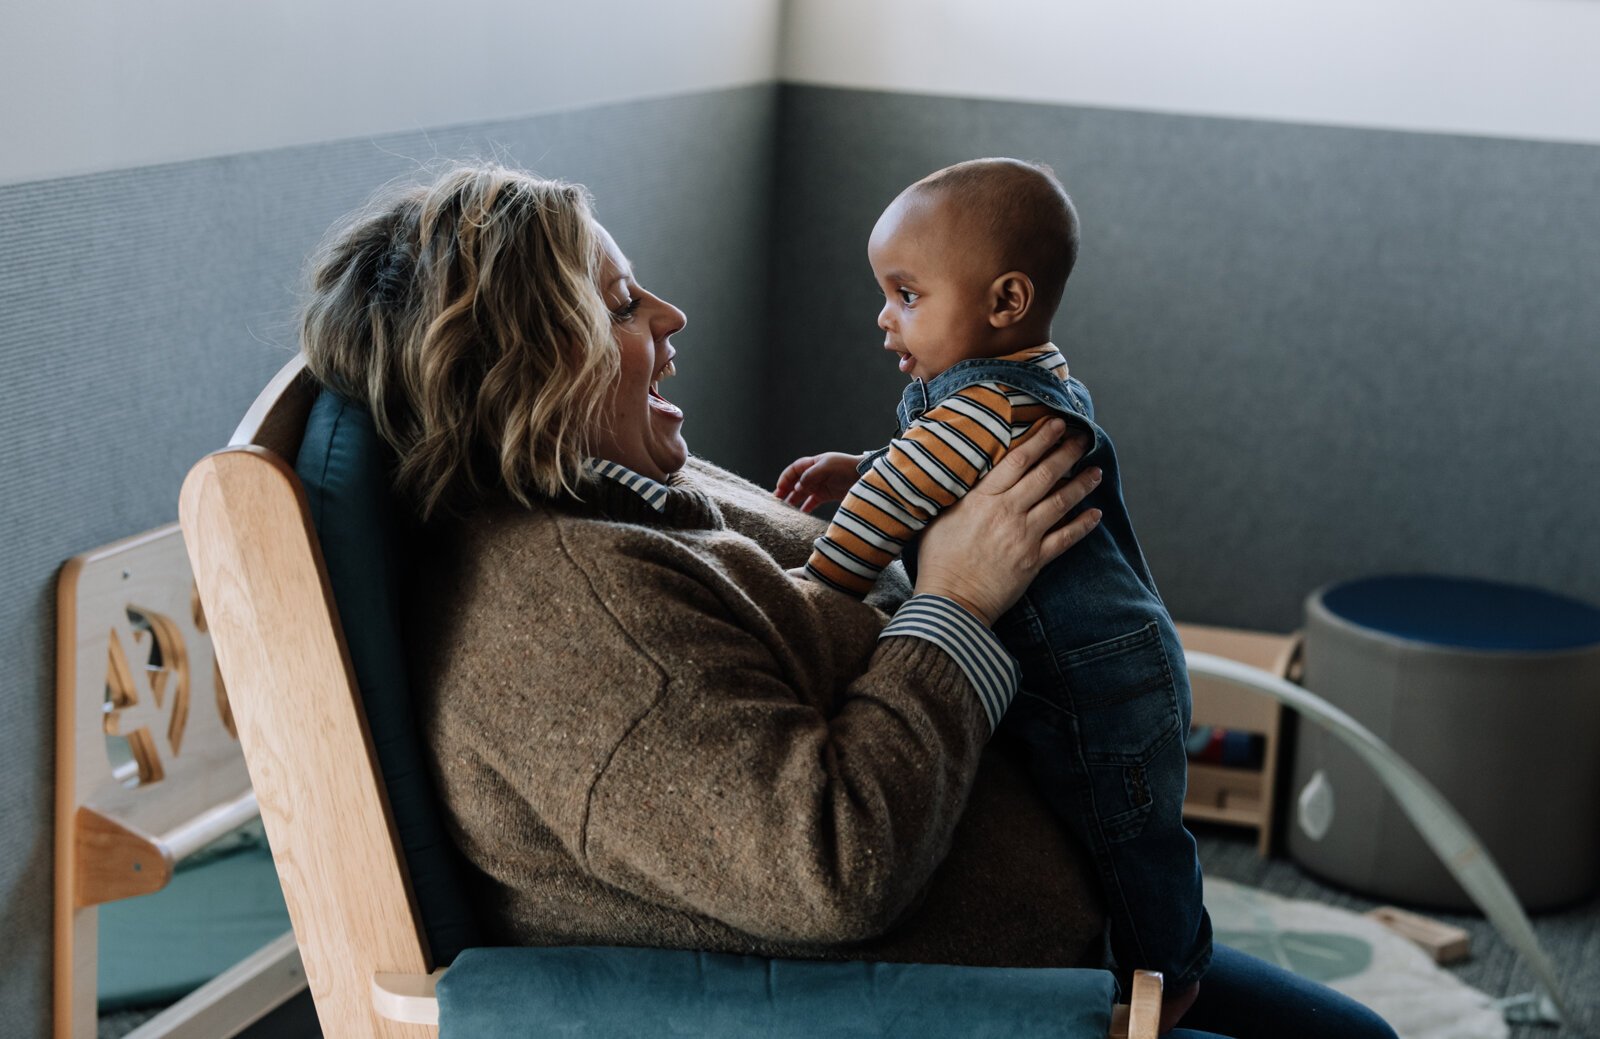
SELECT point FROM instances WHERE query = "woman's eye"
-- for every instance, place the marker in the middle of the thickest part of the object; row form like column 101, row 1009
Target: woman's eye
column 907, row 296
column 626, row 311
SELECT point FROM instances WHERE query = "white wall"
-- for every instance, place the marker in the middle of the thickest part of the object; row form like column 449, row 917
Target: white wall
column 1515, row 68
column 92, row 85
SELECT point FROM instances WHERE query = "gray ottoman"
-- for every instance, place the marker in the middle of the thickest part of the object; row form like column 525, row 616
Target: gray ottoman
column 1493, row 692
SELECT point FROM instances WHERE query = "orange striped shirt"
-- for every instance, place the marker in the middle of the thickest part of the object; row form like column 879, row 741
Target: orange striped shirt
column 927, row 468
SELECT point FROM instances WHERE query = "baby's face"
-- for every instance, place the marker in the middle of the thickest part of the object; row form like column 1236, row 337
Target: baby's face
column 935, row 290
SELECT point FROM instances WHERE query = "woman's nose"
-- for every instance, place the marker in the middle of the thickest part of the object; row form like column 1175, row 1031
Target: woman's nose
column 670, row 320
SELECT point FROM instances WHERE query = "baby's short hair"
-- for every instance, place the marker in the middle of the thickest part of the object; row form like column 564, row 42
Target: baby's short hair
column 1024, row 210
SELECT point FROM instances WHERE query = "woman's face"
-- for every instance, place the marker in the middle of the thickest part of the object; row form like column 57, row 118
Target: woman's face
column 642, row 429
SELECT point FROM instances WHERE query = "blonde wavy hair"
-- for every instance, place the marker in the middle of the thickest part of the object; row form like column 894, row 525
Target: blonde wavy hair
column 465, row 315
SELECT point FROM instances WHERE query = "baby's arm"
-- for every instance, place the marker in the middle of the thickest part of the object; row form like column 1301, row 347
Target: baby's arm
column 818, row 479
column 927, row 469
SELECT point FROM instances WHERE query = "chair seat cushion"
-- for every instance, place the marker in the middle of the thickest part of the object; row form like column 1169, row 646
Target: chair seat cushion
column 620, row 993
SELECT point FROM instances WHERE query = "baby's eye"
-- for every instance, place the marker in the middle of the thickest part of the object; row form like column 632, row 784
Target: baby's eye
column 624, row 313
column 907, row 296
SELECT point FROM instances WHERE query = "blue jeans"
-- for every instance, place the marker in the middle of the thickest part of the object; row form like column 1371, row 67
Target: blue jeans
column 1101, row 728
column 1242, row 997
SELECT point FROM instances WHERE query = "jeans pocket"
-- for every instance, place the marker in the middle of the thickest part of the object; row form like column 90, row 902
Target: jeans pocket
column 1125, row 698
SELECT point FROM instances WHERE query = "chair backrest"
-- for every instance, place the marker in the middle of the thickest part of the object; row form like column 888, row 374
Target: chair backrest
column 297, row 708
column 366, row 534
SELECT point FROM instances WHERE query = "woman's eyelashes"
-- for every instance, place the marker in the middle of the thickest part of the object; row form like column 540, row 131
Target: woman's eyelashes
column 624, row 313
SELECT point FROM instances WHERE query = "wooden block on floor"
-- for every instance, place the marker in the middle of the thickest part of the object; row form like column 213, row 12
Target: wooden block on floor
column 1446, row 943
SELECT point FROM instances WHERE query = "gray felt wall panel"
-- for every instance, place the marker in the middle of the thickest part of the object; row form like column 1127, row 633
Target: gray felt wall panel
column 1322, row 352
column 143, row 309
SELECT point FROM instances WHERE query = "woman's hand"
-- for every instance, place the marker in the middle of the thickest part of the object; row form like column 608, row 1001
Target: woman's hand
column 985, row 550
column 818, row 479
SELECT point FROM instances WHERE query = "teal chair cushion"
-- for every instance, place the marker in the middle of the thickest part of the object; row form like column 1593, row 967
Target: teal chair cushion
column 345, row 468
column 621, row 993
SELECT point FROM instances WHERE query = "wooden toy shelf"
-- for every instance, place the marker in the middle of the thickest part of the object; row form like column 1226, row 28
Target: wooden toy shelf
column 1227, row 794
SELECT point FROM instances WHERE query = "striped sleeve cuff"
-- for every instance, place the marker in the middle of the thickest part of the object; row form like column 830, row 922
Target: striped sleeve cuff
column 975, row 649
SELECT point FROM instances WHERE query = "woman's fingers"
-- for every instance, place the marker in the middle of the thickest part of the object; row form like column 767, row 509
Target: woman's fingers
column 1068, row 534
column 1036, row 465
column 1065, row 496
column 1044, row 476
column 1021, row 458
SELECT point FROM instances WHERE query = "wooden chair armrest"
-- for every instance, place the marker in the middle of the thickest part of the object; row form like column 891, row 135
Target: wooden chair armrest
column 1141, row 1015
column 410, row 998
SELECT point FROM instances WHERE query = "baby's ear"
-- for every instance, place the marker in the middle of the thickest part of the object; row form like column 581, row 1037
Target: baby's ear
column 1010, row 299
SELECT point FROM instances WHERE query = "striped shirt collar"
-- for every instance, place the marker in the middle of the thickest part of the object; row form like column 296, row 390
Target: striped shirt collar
column 653, row 492
column 1045, row 355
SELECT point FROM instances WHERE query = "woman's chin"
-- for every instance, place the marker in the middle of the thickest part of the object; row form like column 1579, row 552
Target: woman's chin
column 670, row 451
column 676, row 456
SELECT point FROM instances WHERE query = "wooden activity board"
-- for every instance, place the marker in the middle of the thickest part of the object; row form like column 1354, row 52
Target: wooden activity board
column 148, row 771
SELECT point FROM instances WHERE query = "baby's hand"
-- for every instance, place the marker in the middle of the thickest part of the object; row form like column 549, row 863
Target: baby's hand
column 818, row 479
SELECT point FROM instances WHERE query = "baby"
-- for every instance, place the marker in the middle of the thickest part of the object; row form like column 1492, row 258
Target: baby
column 972, row 261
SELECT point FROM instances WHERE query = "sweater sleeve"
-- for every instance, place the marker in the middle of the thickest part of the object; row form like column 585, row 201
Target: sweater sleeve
column 768, row 784
column 925, row 470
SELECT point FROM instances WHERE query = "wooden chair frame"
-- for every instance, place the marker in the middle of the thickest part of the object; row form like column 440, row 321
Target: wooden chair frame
column 122, row 829
column 299, row 717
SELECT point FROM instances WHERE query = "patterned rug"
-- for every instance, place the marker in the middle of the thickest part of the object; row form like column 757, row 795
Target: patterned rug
column 1355, row 955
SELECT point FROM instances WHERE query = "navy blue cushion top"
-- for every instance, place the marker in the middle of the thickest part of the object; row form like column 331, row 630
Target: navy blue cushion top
column 1466, row 613
column 345, row 468
column 619, row 993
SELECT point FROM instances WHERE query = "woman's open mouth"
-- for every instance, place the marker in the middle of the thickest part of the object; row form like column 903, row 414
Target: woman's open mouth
column 657, row 401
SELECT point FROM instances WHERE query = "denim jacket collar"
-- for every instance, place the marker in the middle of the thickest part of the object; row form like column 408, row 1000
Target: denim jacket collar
column 1036, row 374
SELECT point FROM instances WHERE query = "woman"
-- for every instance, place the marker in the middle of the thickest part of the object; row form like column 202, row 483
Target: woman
column 643, row 730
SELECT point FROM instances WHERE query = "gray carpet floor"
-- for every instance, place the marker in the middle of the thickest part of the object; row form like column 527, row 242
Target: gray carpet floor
column 1570, row 936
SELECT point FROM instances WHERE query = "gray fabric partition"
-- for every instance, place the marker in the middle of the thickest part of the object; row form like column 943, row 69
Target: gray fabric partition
column 1322, row 352
column 143, row 309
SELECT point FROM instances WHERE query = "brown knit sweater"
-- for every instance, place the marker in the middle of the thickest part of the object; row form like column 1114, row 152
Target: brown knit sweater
column 646, row 733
